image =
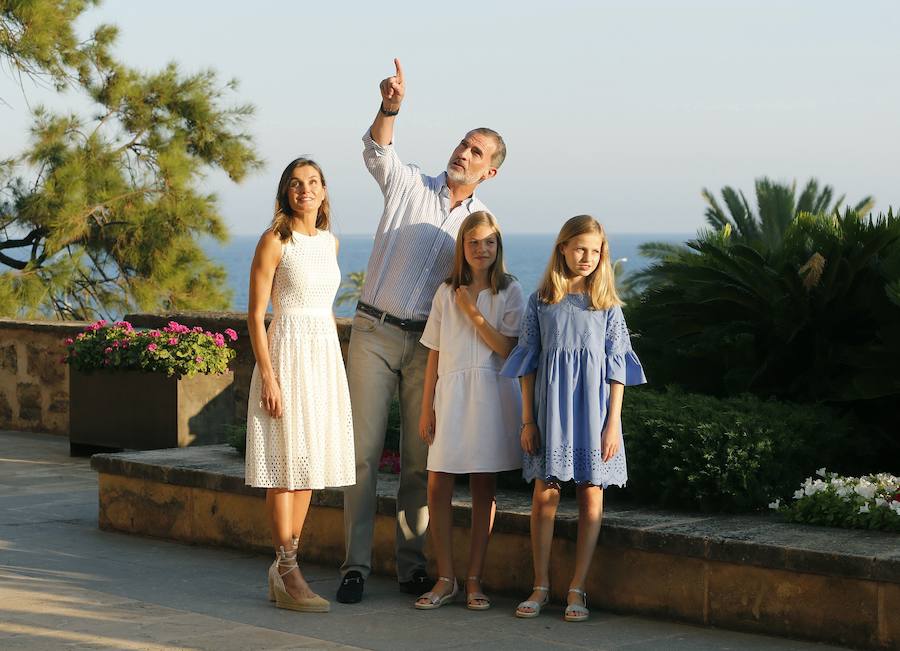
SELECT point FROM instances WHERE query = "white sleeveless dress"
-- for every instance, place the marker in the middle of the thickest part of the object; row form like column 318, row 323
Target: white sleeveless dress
column 311, row 445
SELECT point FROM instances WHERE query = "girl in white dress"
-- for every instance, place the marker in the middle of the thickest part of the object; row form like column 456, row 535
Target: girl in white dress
column 470, row 415
column 299, row 427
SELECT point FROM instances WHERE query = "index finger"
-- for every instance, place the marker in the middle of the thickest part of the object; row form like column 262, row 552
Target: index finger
column 399, row 70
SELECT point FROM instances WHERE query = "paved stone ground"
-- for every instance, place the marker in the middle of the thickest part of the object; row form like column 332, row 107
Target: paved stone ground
column 66, row 584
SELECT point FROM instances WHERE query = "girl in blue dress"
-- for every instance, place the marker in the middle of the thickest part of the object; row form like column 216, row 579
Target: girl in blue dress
column 574, row 359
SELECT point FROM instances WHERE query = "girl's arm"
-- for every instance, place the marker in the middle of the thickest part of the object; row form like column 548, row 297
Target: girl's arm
column 426, row 419
column 611, row 438
column 262, row 272
column 530, row 435
column 499, row 343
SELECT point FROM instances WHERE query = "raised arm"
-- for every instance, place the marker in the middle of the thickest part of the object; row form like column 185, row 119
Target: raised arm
column 392, row 92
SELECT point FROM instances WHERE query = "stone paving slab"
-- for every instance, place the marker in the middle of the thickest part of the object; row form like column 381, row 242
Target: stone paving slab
column 760, row 540
column 66, row 584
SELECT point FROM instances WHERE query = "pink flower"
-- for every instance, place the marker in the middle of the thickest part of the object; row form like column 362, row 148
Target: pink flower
column 197, row 329
column 69, row 341
column 108, row 350
column 155, row 333
column 173, row 341
column 125, row 324
column 198, row 359
column 116, row 343
column 231, row 334
column 151, row 347
column 219, row 340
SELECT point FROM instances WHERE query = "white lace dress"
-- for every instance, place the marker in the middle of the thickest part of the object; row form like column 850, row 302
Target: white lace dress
column 311, row 445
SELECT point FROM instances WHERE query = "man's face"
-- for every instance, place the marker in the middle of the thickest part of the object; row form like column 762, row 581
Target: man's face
column 470, row 162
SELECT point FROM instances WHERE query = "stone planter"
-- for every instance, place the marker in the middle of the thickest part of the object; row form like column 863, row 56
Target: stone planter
column 147, row 411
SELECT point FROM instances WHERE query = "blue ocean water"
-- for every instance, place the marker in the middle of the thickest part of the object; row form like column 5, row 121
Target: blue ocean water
column 526, row 258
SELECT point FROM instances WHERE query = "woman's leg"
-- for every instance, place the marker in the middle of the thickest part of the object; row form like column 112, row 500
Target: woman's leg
column 544, row 503
column 281, row 503
column 483, row 486
column 440, row 525
column 590, row 514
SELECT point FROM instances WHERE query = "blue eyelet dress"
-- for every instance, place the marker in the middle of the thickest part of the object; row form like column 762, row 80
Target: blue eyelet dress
column 575, row 352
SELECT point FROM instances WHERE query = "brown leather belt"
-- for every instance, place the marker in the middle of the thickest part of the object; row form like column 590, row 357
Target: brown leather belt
column 404, row 324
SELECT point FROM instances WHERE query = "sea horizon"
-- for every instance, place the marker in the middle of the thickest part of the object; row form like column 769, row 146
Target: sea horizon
column 526, row 257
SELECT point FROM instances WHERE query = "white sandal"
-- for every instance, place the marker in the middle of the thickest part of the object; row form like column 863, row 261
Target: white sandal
column 577, row 612
column 435, row 600
column 473, row 597
column 534, row 605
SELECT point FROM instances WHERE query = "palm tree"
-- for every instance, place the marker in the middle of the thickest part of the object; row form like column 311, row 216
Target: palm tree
column 777, row 207
column 351, row 288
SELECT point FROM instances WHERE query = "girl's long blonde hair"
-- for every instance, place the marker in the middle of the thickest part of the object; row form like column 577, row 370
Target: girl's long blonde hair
column 281, row 221
column 462, row 272
column 600, row 285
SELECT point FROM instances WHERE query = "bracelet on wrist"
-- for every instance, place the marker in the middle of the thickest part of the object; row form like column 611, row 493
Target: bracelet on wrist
column 387, row 113
column 524, row 425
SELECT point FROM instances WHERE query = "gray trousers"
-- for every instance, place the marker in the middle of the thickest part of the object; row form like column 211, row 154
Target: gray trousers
column 380, row 357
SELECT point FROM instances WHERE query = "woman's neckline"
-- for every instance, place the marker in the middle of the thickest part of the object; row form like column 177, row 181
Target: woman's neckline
column 305, row 234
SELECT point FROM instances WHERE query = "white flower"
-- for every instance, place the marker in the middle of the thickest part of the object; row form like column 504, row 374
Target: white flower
column 865, row 489
column 821, row 471
column 775, row 505
column 798, row 493
column 864, row 508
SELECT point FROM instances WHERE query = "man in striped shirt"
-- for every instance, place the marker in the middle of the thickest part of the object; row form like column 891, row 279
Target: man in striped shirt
column 412, row 255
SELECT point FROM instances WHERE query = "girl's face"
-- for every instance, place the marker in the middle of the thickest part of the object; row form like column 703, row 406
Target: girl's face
column 306, row 192
column 582, row 254
column 480, row 247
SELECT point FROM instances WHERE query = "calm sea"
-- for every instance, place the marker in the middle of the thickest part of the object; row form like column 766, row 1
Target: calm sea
column 526, row 257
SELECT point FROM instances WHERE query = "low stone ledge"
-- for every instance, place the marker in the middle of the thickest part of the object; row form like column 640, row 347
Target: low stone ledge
column 746, row 540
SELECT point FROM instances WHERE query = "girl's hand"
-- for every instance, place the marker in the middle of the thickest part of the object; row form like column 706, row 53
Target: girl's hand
column 610, row 440
column 426, row 426
column 465, row 303
column 271, row 398
column 531, row 438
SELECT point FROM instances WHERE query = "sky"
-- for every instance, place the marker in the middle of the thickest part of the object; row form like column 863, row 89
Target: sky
column 624, row 110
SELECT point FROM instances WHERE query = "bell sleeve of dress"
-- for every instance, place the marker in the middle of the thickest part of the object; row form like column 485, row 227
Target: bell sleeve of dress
column 513, row 308
column 525, row 356
column 431, row 336
column 622, row 365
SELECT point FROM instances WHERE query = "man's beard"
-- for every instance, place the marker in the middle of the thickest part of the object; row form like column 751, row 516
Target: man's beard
column 461, row 177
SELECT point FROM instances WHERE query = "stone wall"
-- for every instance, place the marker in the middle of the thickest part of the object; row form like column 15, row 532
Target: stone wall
column 34, row 385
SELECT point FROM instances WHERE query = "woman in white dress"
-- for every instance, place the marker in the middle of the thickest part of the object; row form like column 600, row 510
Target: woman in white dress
column 299, row 426
column 470, row 415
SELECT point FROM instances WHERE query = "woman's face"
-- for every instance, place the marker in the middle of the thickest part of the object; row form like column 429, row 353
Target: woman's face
column 582, row 254
column 306, row 192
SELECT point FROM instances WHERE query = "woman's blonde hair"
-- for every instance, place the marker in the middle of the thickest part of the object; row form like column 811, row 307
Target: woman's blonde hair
column 600, row 286
column 281, row 221
column 462, row 272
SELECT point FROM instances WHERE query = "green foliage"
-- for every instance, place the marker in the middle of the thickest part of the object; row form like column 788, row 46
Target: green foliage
column 871, row 502
column 236, row 437
column 175, row 350
column 101, row 214
column 693, row 451
column 815, row 320
column 351, row 288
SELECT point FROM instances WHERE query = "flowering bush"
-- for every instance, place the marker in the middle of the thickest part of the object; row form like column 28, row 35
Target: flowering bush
column 174, row 350
column 390, row 462
column 871, row 502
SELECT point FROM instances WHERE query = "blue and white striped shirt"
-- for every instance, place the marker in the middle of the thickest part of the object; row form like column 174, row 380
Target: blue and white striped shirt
column 416, row 237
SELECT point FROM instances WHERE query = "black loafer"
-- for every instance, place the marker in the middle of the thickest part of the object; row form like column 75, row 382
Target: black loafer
column 418, row 584
column 351, row 588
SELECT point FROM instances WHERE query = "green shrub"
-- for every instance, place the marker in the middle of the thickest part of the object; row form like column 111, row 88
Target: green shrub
column 871, row 502
column 694, row 451
column 236, row 436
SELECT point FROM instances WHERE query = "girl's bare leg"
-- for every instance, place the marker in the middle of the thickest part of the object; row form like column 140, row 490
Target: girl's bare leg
column 440, row 525
column 544, row 503
column 483, row 486
column 590, row 514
